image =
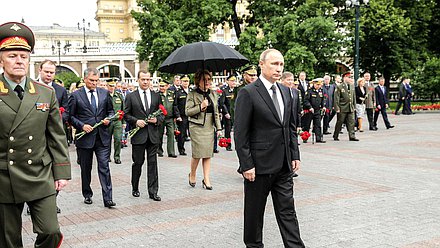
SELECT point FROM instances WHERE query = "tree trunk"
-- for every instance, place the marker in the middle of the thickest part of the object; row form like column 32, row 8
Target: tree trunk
column 235, row 19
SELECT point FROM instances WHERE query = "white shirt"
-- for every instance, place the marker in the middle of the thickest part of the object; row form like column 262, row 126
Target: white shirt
column 141, row 94
column 268, row 86
column 89, row 96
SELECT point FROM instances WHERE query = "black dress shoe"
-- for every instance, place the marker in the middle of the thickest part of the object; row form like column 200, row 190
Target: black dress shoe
column 187, row 139
column 229, row 149
column 155, row 197
column 109, row 160
column 320, row 141
column 172, row 156
column 58, row 210
column 335, row 139
column 77, row 161
column 353, row 139
column 390, row 127
column 216, row 151
column 136, row 193
column 182, row 153
column 327, row 133
column 88, row 200
column 28, row 211
column 160, row 155
column 206, row 186
column 294, row 174
column 118, row 161
column 109, row 204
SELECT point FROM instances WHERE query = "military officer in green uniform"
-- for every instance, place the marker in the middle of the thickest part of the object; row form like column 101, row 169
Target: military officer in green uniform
column 170, row 104
column 344, row 104
column 249, row 75
column 314, row 104
column 116, row 126
column 34, row 160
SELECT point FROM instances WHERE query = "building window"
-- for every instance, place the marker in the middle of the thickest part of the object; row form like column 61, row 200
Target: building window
column 107, row 30
column 121, row 30
column 121, row 21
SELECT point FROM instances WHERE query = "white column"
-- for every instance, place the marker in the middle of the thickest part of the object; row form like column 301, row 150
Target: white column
column 83, row 66
column 122, row 69
column 32, row 70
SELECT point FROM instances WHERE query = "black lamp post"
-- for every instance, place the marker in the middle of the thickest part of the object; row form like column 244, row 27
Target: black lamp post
column 356, row 4
column 59, row 51
column 84, row 33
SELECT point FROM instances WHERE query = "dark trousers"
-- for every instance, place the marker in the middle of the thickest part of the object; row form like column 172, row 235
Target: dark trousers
column 399, row 104
column 280, row 186
column 138, row 156
column 316, row 118
column 370, row 114
column 44, row 221
column 86, row 159
column 348, row 119
column 407, row 107
column 382, row 111
column 328, row 117
column 306, row 121
column 182, row 126
column 228, row 128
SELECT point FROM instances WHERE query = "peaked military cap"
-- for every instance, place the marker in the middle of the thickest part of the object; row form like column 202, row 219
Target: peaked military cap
column 16, row 36
column 163, row 82
column 184, row 78
column 318, row 80
column 251, row 69
column 347, row 74
column 231, row 77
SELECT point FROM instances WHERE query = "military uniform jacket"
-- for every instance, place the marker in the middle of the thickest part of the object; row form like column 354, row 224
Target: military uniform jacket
column 194, row 111
column 33, row 147
column 345, row 100
column 118, row 103
column 314, row 99
column 170, row 104
column 181, row 96
column 228, row 100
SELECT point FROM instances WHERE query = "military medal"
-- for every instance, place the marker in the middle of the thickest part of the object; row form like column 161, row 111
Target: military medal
column 42, row 106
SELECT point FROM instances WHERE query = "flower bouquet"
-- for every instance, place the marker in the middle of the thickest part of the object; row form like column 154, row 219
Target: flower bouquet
column 156, row 113
column 118, row 116
column 224, row 142
column 304, row 135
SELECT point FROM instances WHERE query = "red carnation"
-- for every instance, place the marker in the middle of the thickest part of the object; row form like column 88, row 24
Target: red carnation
column 120, row 115
column 163, row 109
column 176, row 132
column 62, row 110
column 219, row 91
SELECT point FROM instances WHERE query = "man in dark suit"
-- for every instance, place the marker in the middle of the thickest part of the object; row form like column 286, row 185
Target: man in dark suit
column 138, row 106
column 381, row 103
column 34, row 159
column 181, row 95
column 267, row 148
column 328, row 90
column 89, row 106
column 47, row 76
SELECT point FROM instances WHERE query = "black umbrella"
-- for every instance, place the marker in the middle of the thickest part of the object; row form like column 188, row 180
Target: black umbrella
column 202, row 55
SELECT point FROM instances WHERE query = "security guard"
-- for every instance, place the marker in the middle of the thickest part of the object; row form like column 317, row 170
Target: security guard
column 116, row 126
column 34, row 160
column 227, row 110
column 181, row 95
column 314, row 105
column 249, row 76
column 168, row 100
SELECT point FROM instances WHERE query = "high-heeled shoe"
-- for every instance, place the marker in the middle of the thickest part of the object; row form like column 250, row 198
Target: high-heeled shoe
column 205, row 186
column 189, row 181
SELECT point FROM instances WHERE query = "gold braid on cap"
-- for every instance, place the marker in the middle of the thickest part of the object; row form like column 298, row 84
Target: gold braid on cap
column 14, row 42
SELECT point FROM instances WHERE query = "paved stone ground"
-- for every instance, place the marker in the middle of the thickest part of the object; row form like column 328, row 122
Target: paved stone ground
column 380, row 192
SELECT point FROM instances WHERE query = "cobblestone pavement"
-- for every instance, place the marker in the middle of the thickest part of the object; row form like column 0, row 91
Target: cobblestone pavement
column 380, row 192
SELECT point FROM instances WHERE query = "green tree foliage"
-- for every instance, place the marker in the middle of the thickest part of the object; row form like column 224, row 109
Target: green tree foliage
column 305, row 33
column 68, row 78
column 426, row 79
column 167, row 24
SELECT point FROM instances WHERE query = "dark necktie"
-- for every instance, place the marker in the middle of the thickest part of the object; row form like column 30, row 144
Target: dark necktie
column 93, row 101
column 20, row 91
column 147, row 109
column 275, row 100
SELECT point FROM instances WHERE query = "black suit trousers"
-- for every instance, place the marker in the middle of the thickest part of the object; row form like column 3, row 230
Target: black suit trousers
column 280, row 186
column 86, row 159
column 382, row 111
column 138, row 156
column 228, row 127
column 183, row 127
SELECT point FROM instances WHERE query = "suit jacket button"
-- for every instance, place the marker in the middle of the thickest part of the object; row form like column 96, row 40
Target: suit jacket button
column 31, row 138
column 29, row 161
column 11, row 162
column 11, row 150
column 29, row 150
column 11, row 138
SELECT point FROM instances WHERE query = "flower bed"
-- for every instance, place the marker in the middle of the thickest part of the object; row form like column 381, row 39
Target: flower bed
column 435, row 106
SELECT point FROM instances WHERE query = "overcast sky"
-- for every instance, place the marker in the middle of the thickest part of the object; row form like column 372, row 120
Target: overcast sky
column 46, row 12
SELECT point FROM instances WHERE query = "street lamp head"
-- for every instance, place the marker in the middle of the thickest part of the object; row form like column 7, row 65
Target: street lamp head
column 347, row 3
